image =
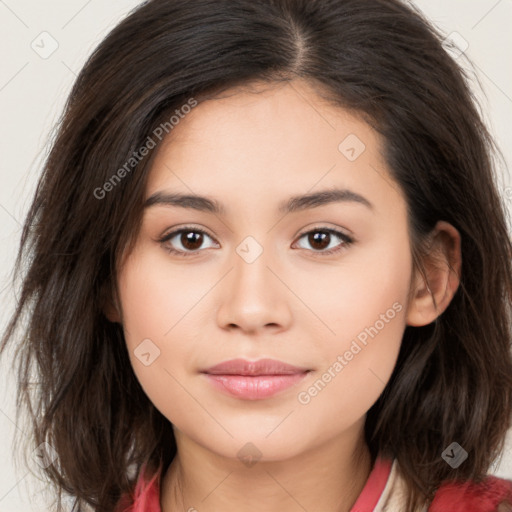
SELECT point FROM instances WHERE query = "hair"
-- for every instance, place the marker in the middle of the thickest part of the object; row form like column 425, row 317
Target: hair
column 380, row 59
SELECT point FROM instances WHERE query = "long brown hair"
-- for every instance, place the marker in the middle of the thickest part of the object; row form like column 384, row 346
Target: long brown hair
column 378, row 58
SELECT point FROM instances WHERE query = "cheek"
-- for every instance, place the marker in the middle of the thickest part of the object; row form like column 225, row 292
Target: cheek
column 164, row 335
column 153, row 317
column 358, row 364
column 362, row 306
column 351, row 296
column 158, row 298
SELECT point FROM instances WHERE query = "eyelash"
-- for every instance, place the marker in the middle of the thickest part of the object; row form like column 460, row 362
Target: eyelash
column 347, row 240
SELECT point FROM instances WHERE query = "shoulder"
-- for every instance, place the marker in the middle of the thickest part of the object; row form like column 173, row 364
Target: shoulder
column 146, row 495
column 484, row 496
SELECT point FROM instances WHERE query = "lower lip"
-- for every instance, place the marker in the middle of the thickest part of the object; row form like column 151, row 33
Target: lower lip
column 254, row 388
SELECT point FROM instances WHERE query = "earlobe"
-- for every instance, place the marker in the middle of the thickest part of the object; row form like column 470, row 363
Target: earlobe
column 431, row 296
column 110, row 306
column 112, row 313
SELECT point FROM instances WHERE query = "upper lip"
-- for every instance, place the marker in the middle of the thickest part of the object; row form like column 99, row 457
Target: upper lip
column 259, row 367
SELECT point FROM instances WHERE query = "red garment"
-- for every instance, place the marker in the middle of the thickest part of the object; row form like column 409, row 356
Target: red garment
column 472, row 497
column 462, row 497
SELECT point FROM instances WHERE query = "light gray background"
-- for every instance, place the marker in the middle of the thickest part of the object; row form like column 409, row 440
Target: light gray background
column 32, row 94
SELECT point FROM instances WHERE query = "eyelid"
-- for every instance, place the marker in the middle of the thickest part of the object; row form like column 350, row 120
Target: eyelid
column 175, row 231
column 325, row 227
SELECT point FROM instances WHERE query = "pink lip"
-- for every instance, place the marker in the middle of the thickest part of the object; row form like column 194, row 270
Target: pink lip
column 254, row 380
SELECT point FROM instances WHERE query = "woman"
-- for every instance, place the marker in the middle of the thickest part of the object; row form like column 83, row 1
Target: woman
column 335, row 334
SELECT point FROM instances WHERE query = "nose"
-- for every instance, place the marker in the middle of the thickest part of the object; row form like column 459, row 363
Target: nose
column 254, row 295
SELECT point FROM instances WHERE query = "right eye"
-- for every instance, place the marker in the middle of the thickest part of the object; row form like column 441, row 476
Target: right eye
column 188, row 239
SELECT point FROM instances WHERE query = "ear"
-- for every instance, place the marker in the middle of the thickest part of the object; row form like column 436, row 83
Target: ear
column 443, row 269
column 112, row 313
column 110, row 304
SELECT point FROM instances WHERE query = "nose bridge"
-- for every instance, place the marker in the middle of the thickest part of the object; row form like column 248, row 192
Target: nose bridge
column 253, row 297
column 251, row 273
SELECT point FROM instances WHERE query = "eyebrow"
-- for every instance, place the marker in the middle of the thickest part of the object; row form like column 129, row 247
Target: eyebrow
column 293, row 204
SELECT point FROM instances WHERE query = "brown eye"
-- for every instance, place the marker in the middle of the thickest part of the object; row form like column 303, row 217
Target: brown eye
column 320, row 239
column 191, row 240
column 185, row 241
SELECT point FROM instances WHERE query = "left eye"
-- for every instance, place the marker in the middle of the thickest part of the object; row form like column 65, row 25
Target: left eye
column 191, row 240
column 322, row 238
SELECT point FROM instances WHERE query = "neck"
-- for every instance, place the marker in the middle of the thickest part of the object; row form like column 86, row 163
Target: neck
column 328, row 478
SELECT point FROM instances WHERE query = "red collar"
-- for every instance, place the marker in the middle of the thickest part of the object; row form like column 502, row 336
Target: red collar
column 147, row 495
column 374, row 486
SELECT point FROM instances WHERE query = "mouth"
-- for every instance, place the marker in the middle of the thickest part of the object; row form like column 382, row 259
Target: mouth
column 254, row 380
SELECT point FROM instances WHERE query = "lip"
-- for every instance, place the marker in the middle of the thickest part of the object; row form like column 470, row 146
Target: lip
column 254, row 380
column 254, row 368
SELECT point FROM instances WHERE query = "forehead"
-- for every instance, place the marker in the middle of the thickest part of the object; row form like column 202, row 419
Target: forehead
column 269, row 142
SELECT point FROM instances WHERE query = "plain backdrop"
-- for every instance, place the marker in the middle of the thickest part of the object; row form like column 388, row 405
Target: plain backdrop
column 44, row 45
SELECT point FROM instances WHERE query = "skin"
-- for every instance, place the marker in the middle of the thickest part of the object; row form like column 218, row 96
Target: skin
column 251, row 152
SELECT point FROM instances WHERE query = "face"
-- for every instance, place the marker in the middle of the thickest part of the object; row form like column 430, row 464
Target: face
column 319, row 283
